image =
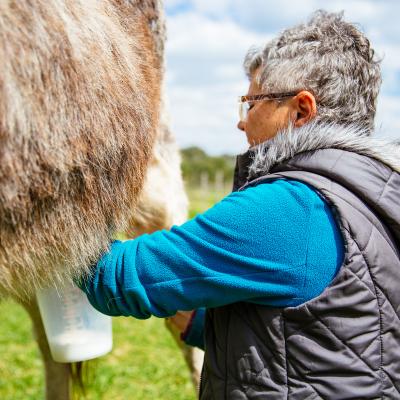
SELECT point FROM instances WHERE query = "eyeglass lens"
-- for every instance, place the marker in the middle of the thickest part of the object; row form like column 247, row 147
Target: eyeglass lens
column 243, row 110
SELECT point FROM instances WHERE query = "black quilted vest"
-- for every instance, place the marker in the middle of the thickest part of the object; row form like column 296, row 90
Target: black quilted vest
column 343, row 344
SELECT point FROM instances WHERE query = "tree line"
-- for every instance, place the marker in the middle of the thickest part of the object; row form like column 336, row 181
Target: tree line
column 197, row 166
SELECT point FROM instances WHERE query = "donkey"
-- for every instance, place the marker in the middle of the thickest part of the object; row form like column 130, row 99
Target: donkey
column 79, row 109
column 79, row 114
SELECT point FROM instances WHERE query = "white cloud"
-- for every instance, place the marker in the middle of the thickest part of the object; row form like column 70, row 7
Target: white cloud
column 194, row 34
column 172, row 4
column 387, row 119
column 204, row 79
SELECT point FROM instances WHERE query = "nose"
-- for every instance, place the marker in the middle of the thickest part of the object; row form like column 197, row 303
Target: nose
column 241, row 125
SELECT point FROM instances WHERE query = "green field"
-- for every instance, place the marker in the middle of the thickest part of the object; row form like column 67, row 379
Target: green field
column 200, row 201
column 145, row 363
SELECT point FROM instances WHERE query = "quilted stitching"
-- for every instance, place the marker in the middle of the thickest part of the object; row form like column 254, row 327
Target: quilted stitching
column 299, row 324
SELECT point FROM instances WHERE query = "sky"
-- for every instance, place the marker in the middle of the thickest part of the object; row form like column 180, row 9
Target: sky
column 208, row 39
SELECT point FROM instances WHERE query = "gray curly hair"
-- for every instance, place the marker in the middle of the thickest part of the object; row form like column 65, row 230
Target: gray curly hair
column 331, row 58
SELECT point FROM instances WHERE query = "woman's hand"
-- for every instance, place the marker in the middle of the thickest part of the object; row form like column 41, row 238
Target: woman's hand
column 188, row 326
column 180, row 321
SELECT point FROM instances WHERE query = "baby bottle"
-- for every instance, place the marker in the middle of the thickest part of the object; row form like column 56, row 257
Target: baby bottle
column 74, row 329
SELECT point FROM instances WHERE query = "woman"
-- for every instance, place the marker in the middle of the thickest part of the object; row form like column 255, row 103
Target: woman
column 297, row 269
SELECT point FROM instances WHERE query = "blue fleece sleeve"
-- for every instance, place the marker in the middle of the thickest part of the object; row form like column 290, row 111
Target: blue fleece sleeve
column 274, row 244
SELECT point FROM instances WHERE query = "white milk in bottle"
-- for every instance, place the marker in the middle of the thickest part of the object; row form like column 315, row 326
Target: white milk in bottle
column 74, row 329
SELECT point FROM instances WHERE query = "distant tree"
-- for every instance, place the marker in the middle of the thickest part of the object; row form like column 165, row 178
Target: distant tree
column 196, row 161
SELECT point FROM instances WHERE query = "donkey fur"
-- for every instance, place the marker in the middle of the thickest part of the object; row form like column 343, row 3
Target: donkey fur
column 79, row 107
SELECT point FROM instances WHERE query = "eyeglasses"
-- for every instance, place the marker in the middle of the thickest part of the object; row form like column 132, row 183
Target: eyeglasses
column 245, row 101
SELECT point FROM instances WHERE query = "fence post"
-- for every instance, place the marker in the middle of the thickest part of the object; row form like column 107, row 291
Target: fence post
column 219, row 181
column 204, row 181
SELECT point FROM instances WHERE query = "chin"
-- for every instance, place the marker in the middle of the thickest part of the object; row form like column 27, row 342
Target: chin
column 253, row 142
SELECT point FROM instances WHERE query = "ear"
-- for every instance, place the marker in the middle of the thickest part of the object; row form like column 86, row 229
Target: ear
column 305, row 108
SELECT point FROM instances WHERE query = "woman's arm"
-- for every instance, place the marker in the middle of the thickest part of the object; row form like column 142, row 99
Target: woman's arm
column 252, row 246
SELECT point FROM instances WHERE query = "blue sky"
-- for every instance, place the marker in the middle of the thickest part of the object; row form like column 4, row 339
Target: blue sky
column 207, row 40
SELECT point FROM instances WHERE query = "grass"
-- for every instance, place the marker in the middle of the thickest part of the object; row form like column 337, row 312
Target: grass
column 145, row 363
column 200, row 200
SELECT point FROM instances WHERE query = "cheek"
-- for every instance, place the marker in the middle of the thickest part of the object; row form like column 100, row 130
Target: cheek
column 253, row 128
column 259, row 124
column 282, row 118
column 254, row 121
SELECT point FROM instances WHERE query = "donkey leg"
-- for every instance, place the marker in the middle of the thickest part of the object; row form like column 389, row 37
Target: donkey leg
column 193, row 356
column 196, row 359
column 57, row 375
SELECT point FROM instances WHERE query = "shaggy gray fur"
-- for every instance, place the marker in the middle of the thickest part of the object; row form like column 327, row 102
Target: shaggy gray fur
column 315, row 136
